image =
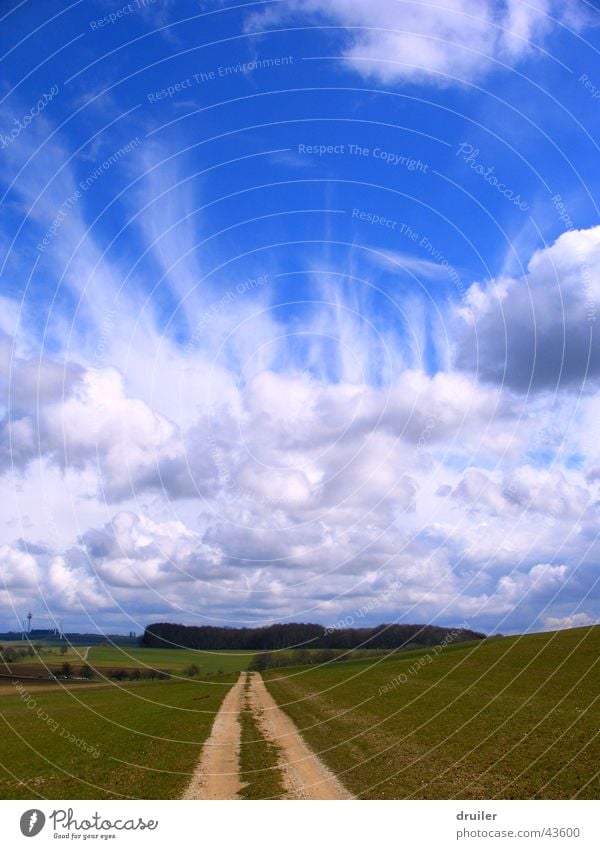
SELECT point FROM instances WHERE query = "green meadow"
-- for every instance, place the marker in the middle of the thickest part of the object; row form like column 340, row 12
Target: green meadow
column 510, row 718
column 139, row 740
column 175, row 660
column 105, row 657
column 107, row 739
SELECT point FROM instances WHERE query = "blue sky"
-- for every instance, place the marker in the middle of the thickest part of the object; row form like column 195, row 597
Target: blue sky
column 299, row 312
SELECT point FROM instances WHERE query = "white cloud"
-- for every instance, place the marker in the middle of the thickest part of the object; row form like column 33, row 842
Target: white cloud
column 18, row 569
column 286, row 490
column 446, row 41
column 133, row 550
column 262, row 472
column 537, row 332
column 575, row 620
column 72, row 587
column 80, row 417
column 527, row 489
column 408, row 264
column 295, row 492
column 540, row 580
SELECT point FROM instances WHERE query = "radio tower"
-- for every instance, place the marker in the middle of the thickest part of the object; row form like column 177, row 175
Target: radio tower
column 29, row 617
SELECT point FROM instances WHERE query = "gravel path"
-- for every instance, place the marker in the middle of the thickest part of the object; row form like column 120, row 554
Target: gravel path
column 217, row 776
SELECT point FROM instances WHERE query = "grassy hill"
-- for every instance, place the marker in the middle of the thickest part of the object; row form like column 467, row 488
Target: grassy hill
column 511, row 717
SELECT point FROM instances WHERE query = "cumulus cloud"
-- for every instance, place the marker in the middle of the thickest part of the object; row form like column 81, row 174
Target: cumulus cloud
column 308, row 493
column 34, row 577
column 299, row 493
column 133, row 550
column 18, row 569
column 527, row 489
column 574, row 620
column 538, row 332
column 71, row 586
column 76, row 417
column 260, row 472
column 446, row 41
column 541, row 579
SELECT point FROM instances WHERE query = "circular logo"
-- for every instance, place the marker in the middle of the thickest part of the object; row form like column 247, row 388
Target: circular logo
column 32, row 822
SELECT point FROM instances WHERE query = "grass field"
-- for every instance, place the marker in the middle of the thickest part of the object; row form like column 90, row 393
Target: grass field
column 502, row 718
column 104, row 741
column 513, row 717
column 104, row 657
column 174, row 659
column 50, row 653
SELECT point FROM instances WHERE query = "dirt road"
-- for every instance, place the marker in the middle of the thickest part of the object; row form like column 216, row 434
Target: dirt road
column 304, row 774
column 217, row 776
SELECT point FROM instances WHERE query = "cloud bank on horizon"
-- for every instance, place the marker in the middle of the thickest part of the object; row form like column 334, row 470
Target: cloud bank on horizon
column 299, row 314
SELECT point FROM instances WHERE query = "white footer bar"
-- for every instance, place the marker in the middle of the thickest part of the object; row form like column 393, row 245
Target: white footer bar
column 302, row 825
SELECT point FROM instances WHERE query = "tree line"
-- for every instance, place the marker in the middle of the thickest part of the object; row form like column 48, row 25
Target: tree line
column 296, row 635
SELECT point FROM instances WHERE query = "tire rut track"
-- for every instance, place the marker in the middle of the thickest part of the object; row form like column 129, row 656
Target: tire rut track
column 217, row 775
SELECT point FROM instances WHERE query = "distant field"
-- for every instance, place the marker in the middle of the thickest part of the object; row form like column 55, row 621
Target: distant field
column 174, row 659
column 104, row 741
column 116, row 657
column 50, row 652
column 501, row 718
